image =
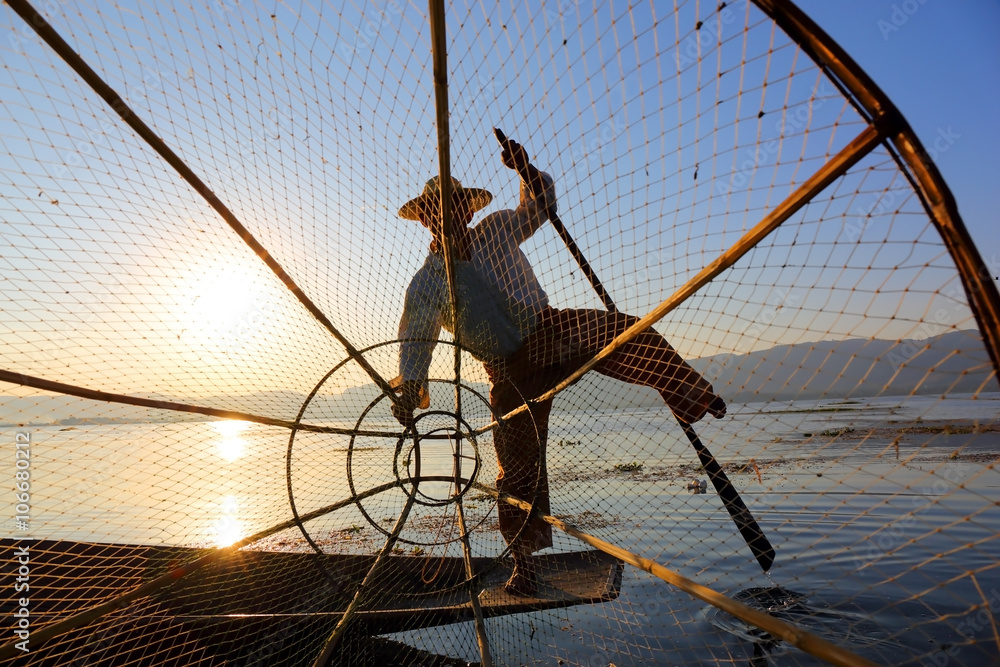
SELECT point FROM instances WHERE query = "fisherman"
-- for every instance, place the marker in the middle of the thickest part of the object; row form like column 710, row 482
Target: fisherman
column 526, row 345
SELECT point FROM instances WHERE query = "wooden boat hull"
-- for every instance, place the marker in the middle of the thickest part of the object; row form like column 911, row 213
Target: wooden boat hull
column 254, row 602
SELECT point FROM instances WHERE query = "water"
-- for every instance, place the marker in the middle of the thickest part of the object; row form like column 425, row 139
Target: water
column 886, row 539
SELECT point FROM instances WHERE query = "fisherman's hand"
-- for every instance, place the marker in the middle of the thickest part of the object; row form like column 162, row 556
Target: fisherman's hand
column 409, row 399
column 514, row 156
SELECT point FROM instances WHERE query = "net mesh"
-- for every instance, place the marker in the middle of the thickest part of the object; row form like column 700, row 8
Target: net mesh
column 201, row 404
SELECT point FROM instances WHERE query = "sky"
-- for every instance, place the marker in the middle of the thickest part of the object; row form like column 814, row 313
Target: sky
column 939, row 62
column 316, row 127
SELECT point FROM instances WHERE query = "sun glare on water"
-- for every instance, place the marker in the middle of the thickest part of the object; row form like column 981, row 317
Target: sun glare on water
column 230, row 445
column 228, row 529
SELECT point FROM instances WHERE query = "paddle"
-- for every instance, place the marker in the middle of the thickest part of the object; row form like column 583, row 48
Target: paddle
column 744, row 520
column 747, row 525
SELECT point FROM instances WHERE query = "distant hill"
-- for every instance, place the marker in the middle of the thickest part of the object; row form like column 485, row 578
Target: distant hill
column 955, row 362
column 46, row 409
column 69, row 410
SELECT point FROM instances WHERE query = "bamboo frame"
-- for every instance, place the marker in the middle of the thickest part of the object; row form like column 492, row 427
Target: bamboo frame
column 803, row 639
column 88, row 616
column 439, row 35
column 124, row 399
column 912, row 158
column 99, row 86
column 111, row 397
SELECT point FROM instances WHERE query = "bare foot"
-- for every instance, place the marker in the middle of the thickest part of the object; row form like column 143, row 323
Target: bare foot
column 717, row 408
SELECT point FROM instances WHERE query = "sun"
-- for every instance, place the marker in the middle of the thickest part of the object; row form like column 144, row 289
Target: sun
column 222, row 298
column 225, row 298
column 227, row 306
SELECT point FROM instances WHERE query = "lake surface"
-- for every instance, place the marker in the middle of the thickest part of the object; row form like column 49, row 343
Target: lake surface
column 883, row 513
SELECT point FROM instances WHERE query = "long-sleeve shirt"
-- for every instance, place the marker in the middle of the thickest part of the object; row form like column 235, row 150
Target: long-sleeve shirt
column 498, row 293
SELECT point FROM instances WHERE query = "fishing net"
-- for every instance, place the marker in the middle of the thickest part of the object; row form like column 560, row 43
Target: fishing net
column 204, row 273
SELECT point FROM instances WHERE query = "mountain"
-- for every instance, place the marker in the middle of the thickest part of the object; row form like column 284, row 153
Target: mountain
column 955, row 362
column 38, row 410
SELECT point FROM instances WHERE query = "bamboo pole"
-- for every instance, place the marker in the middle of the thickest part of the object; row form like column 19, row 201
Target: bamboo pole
column 439, row 35
column 809, row 642
column 482, row 639
column 111, row 397
column 90, row 615
column 99, row 86
column 362, row 593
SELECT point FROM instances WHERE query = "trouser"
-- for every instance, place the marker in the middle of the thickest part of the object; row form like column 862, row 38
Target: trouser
column 560, row 344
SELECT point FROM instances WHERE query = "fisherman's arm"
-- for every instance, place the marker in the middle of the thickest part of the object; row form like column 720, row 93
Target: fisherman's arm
column 419, row 328
column 538, row 193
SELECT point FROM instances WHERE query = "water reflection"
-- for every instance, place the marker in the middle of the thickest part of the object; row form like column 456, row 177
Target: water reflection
column 230, row 445
column 228, row 528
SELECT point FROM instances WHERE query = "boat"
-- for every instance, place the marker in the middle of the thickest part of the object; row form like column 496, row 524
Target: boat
column 288, row 603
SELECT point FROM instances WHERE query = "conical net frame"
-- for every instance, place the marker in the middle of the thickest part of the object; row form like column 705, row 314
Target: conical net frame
column 671, row 132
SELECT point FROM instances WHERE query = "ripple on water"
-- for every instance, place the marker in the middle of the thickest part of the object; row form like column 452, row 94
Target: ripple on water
column 849, row 629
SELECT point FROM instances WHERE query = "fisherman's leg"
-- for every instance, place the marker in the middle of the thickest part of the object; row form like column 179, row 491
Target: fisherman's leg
column 520, row 445
column 648, row 359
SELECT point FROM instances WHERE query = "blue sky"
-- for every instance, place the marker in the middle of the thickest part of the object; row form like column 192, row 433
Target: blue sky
column 315, row 128
column 941, row 67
